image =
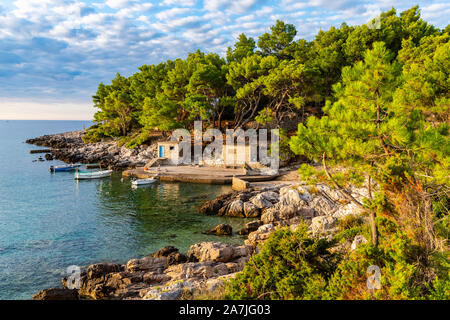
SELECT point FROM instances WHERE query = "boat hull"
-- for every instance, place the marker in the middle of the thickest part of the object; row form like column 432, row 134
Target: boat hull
column 92, row 175
column 141, row 182
column 64, row 168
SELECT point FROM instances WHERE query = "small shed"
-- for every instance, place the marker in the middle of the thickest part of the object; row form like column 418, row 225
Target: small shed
column 231, row 155
column 169, row 150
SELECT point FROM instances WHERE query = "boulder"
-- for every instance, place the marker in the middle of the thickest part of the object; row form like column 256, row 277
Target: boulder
column 235, row 209
column 250, row 227
column 270, row 215
column 347, row 209
column 307, row 213
column 216, row 251
column 358, row 241
column 99, row 270
column 302, row 191
column 176, row 258
column 211, row 207
column 164, row 252
column 270, row 196
column 260, row 235
column 201, row 270
column 168, row 292
column 251, row 210
column 287, row 212
column 322, row 224
column 56, row 294
column 155, row 278
column 292, row 198
column 223, row 229
column 323, row 205
column 261, row 202
column 147, row 264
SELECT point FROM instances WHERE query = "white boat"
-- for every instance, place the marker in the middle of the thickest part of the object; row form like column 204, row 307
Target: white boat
column 140, row 182
column 93, row 174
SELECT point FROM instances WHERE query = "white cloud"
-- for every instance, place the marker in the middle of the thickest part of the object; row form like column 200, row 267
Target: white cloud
column 62, row 49
column 232, row 6
column 184, row 3
column 166, row 14
column 117, row 4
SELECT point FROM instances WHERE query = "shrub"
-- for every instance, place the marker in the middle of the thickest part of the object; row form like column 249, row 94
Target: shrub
column 290, row 265
column 351, row 226
column 406, row 270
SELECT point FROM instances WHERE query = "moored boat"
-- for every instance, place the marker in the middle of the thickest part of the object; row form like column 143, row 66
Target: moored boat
column 92, row 174
column 140, row 182
column 65, row 167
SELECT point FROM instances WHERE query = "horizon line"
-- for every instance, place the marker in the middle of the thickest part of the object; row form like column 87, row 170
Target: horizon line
column 46, row 120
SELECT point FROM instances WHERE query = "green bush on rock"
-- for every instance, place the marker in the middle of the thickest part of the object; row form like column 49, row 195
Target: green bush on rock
column 290, row 265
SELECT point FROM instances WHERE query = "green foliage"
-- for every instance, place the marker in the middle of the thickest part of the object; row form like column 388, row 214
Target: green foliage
column 243, row 48
column 293, row 265
column 290, row 265
column 402, row 276
column 284, row 76
column 279, row 41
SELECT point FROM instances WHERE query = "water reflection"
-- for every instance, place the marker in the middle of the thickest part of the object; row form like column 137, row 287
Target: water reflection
column 148, row 218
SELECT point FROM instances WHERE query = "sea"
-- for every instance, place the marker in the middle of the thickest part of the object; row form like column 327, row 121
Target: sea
column 49, row 221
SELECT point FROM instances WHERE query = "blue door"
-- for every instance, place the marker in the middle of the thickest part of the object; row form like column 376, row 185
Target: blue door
column 161, row 151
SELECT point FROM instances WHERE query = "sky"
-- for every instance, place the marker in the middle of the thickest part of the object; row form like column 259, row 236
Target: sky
column 54, row 53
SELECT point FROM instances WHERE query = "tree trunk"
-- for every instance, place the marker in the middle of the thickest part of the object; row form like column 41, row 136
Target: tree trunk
column 374, row 228
column 349, row 197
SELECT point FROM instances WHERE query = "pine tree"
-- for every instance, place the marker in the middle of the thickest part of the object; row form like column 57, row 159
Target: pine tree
column 355, row 131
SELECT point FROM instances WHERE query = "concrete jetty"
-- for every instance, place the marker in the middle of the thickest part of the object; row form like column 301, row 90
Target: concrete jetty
column 192, row 174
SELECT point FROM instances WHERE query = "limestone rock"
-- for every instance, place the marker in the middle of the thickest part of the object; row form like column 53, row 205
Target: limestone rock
column 99, row 270
column 216, row 251
column 347, row 209
column 56, row 294
column 358, row 241
column 164, row 252
column 223, row 229
column 270, row 215
column 322, row 223
column 261, row 202
column 301, row 190
column 251, row 210
column 291, row 198
column 323, row 205
column 235, row 209
column 250, row 227
column 147, row 264
column 201, row 270
column 168, row 292
column 270, row 196
column 155, row 278
column 176, row 258
column 260, row 235
column 307, row 213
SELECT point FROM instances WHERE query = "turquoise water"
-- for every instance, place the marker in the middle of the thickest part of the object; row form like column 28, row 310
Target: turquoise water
column 49, row 222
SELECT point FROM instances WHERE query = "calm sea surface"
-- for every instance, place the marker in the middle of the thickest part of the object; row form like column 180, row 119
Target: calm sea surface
column 49, row 222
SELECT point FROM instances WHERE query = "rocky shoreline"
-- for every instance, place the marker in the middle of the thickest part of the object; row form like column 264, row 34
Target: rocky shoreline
column 168, row 274
column 70, row 148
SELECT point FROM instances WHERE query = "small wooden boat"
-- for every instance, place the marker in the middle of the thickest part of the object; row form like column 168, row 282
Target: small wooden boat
column 140, row 182
column 92, row 174
column 65, row 167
